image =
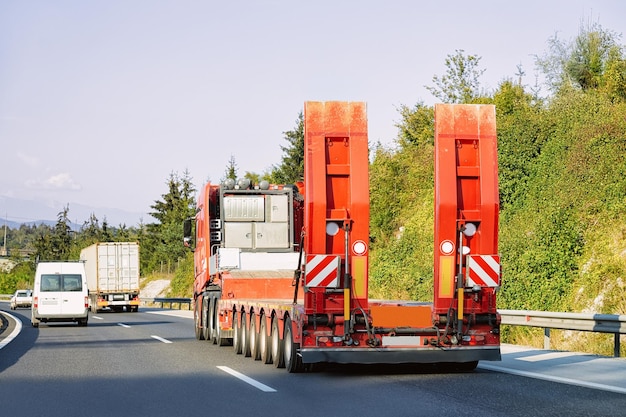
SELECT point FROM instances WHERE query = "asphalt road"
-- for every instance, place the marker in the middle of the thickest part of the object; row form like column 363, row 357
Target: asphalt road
column 149, row 364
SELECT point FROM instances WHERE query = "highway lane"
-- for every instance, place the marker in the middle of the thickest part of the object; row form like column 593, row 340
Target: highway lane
column 123, row 363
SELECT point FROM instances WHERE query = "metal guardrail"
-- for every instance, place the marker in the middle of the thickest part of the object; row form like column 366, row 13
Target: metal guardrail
column 170, row 301
column 585, row 322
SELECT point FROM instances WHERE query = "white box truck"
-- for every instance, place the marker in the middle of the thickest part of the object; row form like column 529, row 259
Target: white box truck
column 112, row 275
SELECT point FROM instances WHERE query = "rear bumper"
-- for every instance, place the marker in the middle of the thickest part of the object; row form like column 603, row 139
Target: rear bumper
column 400, row 355
column 59, row 317
column 22, row 305
column 118, row 303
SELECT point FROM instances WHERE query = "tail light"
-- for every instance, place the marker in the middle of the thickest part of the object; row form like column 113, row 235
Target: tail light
column 36, row 302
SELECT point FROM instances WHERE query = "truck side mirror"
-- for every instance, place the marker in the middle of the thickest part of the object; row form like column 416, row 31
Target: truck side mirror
column 188, row 234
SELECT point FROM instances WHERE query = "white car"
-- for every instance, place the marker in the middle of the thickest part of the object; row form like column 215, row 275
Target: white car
column 21, row 298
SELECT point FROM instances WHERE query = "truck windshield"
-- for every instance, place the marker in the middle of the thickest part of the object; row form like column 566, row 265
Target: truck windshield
column 61, row 282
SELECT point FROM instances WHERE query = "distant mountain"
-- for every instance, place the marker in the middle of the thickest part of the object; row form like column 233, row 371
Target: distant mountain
column 16, row 212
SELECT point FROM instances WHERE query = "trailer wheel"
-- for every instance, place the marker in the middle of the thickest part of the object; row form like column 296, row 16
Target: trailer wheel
column 254, row 339
column 196, row 323
column 277, row 345
column 264, row 348
column 236, row 333
column 293, row 362
column 219, row 340
column 217, row 334
column 206, row 332
column 214, row 322
column 245, row 336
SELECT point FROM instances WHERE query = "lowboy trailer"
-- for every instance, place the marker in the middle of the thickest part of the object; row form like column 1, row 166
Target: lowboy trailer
column 281, row 271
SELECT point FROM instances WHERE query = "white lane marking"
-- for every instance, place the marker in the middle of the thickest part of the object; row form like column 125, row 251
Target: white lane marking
column 161, row 339
column 551, row 378
column 545, row 356
column 126, row 326
column 177, row 313
column 247, row 379
column 97, row 317
column 14, row 333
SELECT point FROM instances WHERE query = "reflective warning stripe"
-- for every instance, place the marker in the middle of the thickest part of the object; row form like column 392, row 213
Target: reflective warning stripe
column 322, row 271
column 483, row 270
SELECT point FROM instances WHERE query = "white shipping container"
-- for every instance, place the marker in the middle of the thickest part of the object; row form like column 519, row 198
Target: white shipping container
column 112, row 267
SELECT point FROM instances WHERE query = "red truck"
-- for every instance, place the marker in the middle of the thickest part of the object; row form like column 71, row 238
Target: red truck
column 281, row 271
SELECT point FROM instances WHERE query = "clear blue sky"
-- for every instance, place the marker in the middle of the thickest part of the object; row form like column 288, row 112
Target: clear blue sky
column 101, row 100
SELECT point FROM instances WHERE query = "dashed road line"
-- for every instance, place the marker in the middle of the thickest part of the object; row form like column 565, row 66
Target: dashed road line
column 246, row 379
column 126, row 326
column 160, row 339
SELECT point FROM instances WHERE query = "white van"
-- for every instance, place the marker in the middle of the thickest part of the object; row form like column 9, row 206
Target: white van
column 60, row 293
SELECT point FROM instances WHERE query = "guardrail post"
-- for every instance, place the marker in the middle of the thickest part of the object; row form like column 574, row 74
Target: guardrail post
column 546, row 338
column 616, row 345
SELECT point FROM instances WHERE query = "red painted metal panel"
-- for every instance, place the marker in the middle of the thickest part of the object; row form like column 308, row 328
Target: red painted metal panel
column 466, row 191
column 337, row 189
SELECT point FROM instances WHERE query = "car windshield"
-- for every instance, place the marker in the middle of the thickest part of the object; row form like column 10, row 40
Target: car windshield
column 23, row 294
column 61, row 282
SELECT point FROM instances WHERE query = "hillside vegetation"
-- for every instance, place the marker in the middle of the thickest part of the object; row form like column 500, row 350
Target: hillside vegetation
column 562, row 184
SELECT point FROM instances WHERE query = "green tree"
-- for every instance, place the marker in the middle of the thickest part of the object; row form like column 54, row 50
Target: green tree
column 253, row 177
column 161, row 245
column 519, row 140
column 589, row 56
column 291, row 168
column 90, row 230
column 231, row 169
column 613, row 82
column 460, row 83
column 417, row 125
column 592, row 60
column 62, row 235
column 55, row 244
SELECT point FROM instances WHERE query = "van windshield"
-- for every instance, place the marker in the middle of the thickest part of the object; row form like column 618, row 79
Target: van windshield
column 61, row 282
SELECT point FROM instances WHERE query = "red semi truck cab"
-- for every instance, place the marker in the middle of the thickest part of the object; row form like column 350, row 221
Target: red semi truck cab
column 281, row 271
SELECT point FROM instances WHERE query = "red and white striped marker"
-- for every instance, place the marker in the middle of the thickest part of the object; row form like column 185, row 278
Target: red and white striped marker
column 483, row 270
column 322, row 271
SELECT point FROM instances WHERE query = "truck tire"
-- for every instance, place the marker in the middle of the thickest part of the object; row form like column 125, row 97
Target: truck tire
column 236, row 333
column 245, row 336
column 254, row 339
column 293, row 362
column 196, row 323
column 264, row 342
column 217, row 333
column 277, row 345
column 206, row 330
column 211, row 314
